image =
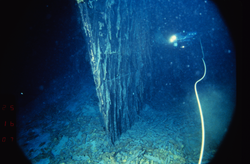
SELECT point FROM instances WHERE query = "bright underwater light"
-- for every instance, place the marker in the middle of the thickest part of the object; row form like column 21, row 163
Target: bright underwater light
column 182, row 38
column 172, row 38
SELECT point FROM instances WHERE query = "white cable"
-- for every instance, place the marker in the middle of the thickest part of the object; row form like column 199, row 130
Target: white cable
column 199, row 105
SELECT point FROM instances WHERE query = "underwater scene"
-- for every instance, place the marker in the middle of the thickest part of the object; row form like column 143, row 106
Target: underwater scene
column 124, row 82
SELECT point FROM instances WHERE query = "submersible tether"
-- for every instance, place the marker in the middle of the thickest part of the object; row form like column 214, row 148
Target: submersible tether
column 199, row 105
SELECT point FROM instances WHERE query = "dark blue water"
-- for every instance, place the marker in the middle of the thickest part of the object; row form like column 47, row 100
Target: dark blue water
column 58, row 119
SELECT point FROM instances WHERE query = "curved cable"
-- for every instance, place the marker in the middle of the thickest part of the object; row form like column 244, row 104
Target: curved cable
column 199, row 105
